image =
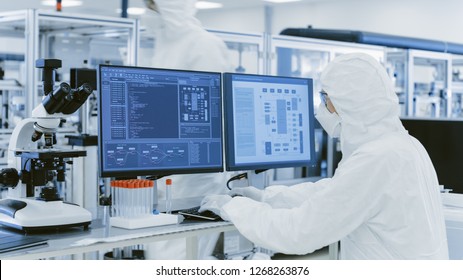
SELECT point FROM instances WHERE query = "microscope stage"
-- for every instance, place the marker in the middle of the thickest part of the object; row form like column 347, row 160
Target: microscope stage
column 50, row 154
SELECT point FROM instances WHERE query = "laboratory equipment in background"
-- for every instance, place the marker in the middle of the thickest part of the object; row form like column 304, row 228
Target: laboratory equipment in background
column 158, row 122
column 419, row 68
column 30, row 34
column 422, row 81
column 298, row 62
column 430, row 78
column 4, row 139
column 82, row 41
column 3, row 119
column 39, row 165
column 247, row 51
column 3, row 103
column 11, row 94
column 307, row 57
column 84, row 170
column 242, row 55
column 443, row 140
column 83, row 179
column 397, row 68
column 457, row 86
column 146, row 47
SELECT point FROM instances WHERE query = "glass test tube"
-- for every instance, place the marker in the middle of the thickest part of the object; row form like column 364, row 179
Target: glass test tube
column 169, row 196
column 132, row 198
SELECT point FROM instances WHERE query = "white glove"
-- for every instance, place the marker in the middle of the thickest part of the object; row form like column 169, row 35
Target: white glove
column 215, row 203
column 250, row 192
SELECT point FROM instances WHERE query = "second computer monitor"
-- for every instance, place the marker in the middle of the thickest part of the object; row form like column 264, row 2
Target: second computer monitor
column 269, row 122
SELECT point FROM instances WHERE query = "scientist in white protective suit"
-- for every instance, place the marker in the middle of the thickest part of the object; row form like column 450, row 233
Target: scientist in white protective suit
column 182, row 43
column 383, row 201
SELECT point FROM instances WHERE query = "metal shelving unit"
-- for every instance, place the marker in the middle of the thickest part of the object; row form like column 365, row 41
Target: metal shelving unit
column 72, row 38
column 423, row 82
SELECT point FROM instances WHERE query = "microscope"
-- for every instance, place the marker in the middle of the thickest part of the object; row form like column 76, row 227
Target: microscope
column 36, row 204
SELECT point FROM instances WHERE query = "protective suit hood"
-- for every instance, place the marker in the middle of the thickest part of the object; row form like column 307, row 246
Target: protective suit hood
column 177, row 16
column 364, row 98
column 180, row 42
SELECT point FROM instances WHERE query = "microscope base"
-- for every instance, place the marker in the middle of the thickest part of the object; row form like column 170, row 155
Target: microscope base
column 29, row 214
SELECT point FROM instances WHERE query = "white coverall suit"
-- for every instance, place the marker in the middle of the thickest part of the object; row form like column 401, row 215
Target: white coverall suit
column 182, row 43
column 383, row 201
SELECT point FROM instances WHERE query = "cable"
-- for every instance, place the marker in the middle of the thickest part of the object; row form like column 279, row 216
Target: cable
column 156, row 177
column 236, row 177
column 25, row 164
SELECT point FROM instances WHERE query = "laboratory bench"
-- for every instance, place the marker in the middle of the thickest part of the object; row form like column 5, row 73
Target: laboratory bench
column 101, row 237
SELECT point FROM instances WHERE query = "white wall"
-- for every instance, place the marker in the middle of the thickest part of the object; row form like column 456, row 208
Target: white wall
column 429, row 19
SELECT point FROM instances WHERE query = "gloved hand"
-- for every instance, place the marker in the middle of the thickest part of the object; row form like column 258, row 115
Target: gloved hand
column 215, row 203
column 250, row 192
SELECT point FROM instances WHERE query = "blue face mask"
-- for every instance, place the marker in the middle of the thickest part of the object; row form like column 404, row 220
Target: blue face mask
column 331, row 122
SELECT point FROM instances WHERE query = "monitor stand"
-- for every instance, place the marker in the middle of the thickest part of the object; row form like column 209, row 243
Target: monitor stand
column 258, row 179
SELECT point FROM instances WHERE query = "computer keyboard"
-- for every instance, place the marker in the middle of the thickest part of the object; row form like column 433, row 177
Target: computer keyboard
column 193, row 213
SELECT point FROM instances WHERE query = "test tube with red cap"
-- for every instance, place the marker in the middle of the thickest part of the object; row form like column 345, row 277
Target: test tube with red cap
column 168, row 196
column 132, row 198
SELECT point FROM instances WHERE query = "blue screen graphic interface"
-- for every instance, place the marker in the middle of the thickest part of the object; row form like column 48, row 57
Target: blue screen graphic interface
column 269, row 121
column 159, row 121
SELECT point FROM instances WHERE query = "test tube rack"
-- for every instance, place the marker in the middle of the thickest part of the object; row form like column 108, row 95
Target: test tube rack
column 132, row 205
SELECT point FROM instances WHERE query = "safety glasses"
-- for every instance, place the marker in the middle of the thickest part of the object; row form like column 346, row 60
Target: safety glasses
column 324, row 97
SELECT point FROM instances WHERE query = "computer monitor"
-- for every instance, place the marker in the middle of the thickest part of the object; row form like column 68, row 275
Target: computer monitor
column 159, row 121
column 443, row 140
column 269, row 122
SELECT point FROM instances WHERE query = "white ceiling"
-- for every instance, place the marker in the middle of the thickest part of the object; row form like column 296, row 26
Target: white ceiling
column 109, row 7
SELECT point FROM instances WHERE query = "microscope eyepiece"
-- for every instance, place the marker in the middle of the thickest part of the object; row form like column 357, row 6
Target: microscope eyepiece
column 77, row 98
column 55, row 101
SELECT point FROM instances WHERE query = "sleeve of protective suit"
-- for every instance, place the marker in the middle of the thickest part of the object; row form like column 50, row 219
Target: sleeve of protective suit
column 326, row 216
column 280, row 196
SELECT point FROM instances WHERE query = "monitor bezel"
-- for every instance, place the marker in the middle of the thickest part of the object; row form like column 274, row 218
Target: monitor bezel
column 154, row 172
column 229, row 136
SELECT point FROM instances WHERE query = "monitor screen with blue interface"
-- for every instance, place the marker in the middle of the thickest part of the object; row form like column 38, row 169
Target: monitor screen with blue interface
column 269, row 122
column 159, row 121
